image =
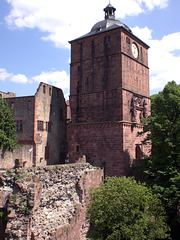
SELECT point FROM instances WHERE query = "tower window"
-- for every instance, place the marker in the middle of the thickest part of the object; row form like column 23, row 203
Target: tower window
column 128, row 40
column 77, row 148
column 92, row 48
column 138, row 151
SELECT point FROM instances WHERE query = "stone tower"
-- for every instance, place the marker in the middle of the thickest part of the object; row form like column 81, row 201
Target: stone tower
column 109, row 94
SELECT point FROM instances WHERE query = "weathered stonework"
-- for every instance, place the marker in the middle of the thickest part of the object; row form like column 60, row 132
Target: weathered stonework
column 40, row 129
column 47, row 202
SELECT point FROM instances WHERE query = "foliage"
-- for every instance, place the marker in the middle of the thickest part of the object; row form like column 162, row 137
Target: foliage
column 162, row 168
column 121, row 208
column 3, row 216
column 7, row 127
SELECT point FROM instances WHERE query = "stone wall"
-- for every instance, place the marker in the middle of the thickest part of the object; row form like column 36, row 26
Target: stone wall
column 47, row 202
column 21, row 156
column 49, row 125
column 109, row 95
column 40, row 129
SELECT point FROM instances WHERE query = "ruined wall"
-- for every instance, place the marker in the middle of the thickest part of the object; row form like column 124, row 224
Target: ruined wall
column 23, row 115
column 22, row 156
column 40, row 129
column 7, row 95
column 49, row 125
column 48, row 202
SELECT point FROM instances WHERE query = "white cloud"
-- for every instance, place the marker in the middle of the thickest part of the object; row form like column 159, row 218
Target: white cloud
column 4, row 75
column 19, row 78
column 164, row 57
column 64, row 20
column 145, row 34
column 150, row 4
column 54, row 78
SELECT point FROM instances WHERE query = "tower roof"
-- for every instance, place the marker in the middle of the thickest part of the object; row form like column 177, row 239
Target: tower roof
column 108, row 23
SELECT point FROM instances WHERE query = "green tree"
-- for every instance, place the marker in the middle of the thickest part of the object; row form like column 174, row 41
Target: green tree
column 7, row 127
column 162, row 168
column 121, row 208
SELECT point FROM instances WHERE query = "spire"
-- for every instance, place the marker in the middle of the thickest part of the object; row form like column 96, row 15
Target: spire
column 109, row 11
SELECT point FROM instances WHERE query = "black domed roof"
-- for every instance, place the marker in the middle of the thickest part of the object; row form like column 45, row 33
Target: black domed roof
column 109, row 22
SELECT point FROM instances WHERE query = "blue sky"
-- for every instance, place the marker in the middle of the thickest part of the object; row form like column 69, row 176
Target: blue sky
column 35, row 33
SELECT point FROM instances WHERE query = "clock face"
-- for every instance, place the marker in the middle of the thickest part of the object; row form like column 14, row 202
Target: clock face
column 134, row 50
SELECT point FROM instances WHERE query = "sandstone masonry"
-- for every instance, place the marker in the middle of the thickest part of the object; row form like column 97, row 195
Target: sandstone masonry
column 40, row 129
column 47, row 202
column 109, row 95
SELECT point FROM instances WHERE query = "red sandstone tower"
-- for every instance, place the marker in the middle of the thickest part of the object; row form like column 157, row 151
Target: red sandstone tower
column 109, row 94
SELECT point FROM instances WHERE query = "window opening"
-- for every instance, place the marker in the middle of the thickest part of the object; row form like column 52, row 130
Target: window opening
column 138, row 151
column 12, row 106
column 29, row 105
column 51, row 109
column 46, row 152
column 48, row 126
column 128, row 40
column 77, row 148
column 44, row 89
column 105, row 40
column 40, row 125
column 19, row 126
column 16, row 163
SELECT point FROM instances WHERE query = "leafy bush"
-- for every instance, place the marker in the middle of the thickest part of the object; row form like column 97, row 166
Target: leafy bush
column 121, row 208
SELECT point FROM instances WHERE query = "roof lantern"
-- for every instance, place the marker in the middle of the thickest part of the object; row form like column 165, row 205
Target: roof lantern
column 109, row 12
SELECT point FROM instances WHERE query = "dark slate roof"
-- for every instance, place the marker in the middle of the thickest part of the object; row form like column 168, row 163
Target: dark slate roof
column 107, row 24
column 109, row 6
